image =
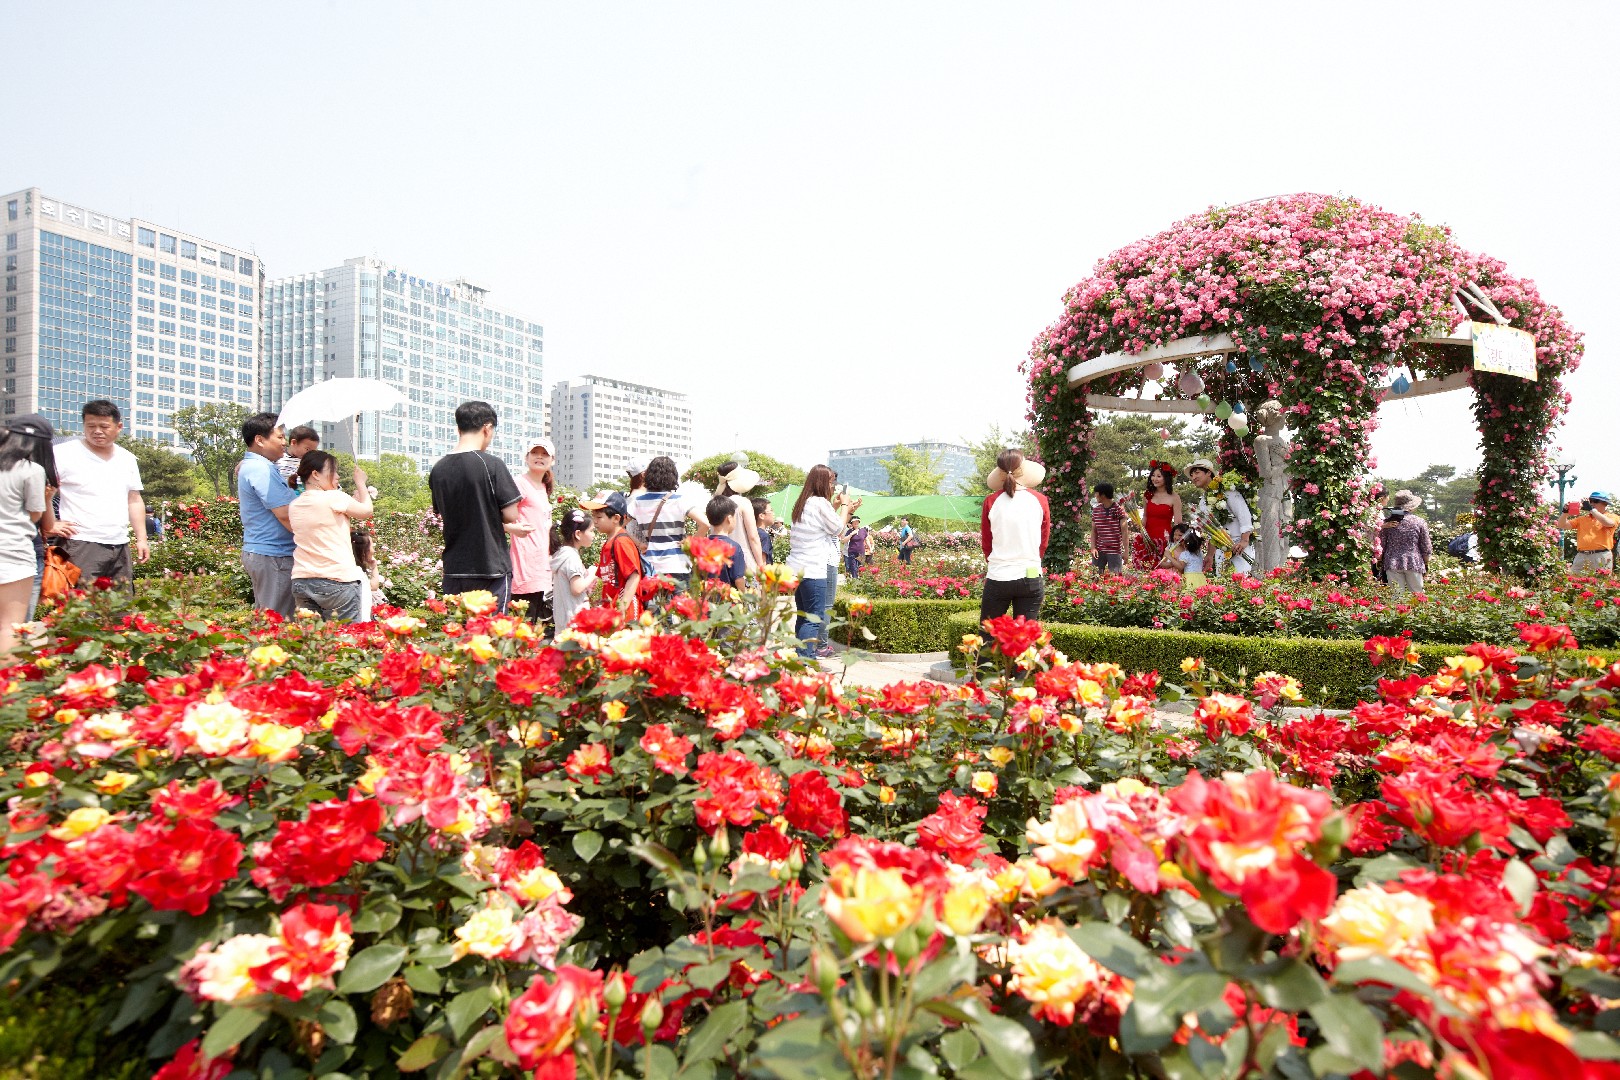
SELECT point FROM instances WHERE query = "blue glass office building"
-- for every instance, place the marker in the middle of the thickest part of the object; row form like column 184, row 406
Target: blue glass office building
column 863, row 468
column 150, row 318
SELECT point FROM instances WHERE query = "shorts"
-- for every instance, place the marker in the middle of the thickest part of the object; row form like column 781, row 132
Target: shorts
column 99, row 561
column 1109, row 562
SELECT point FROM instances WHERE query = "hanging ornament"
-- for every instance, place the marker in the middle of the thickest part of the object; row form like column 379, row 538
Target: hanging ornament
column 1238, row 408
column 1401, row 384
column 1223, row 410
column 1153, row 371
column 1204, row 402
column 1231, row 367
column 1239, row 424
column 1190, row 383
column 1164, row 433
column 1257, row 362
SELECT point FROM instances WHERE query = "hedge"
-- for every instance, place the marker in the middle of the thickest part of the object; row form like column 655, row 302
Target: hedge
column 1333, row 673
column 903, row 626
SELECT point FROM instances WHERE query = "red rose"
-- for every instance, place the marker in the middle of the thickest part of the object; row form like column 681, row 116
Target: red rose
column 522, row 679
column 320, row 849
column 1014, row 635
column 540, row 1027
column 189, row 1063
column 954, row 830
column 814, row 806
column 180, row 867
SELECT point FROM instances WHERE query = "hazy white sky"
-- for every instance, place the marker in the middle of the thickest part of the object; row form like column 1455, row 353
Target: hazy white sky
column 831, row 224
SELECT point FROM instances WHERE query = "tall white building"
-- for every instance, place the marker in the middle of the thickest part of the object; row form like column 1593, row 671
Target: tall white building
column 439, row 343
column 598, row 424
column 148, row 316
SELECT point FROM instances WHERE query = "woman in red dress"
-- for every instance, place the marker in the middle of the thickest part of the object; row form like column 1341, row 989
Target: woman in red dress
column 1161, row 508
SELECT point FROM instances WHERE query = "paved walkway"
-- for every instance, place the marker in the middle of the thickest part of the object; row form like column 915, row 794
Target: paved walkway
column 873, row 674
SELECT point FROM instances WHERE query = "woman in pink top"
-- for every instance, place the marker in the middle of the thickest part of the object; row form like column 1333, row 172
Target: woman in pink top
column 531, row 554
column 325, row 577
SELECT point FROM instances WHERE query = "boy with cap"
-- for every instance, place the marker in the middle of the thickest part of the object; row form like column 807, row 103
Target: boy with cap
column 618, row 567
column 1594, row 534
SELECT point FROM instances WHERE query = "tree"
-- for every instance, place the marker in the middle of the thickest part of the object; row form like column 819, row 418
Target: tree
column 1123, row 446
column 165, row 475
column 1445, row 492
column 913, row 472
column 213, row 434
column 987, row 450
column 399, row 486
column 773, row 474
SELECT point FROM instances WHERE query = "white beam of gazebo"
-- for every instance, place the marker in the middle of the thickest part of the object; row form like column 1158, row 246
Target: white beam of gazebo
column 1180, row 406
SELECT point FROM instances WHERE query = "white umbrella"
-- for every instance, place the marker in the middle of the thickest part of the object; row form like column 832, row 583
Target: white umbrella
column 339, row 399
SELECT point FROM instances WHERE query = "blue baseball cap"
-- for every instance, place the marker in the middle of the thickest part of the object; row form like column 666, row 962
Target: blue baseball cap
column 1599, row 496
column 613, row 502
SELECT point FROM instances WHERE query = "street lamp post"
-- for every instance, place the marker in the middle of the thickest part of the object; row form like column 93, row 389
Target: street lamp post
column 1566, row 479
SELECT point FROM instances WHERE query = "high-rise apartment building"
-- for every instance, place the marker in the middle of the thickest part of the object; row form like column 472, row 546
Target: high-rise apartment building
column 863, row 467
column 438, row 343
column 147, row 316
column 598, row 424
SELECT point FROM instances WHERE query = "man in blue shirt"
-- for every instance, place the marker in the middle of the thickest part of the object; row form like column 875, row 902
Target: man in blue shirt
column 263, row 496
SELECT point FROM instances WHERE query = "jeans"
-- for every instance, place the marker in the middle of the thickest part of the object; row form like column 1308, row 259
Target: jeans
column 814, row 597
column 338, row 600
column 1109, row 561
column 1023, row 595
column 905, row 554
column 39, row 579
column 852, row 565
column 500, row 586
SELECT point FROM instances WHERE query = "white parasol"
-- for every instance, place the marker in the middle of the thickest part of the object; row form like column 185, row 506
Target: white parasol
column 339, row 399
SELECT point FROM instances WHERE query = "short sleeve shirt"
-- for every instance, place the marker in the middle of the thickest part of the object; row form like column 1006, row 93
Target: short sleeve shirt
column 664, row 552
column 22, row 493
column 320, row 525
column 470, row 488
column 619, row 562
column 95, row 490
column 259, row 490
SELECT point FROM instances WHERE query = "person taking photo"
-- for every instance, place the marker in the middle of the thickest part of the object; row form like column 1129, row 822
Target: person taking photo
column 1594, row 529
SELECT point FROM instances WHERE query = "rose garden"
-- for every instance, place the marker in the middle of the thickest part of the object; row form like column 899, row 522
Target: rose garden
column 1278, row 825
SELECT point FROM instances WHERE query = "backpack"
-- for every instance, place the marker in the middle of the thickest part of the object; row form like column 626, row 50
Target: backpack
column 60, row 574
column 641, row 534
column 1459, row 546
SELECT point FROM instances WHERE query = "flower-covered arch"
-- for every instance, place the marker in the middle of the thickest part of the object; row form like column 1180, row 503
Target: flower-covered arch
column 1321, row 302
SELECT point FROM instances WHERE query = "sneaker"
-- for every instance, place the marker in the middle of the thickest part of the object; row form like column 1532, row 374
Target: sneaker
column 826, row 652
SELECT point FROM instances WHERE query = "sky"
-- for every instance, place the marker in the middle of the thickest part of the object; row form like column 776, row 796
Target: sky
column 837, row 224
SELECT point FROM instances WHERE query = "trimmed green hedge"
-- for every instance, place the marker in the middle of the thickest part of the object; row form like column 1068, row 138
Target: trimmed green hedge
column 904, row 626
column 1332, row 673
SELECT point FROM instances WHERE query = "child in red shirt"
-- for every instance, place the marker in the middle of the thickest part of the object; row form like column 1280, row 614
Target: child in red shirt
column 619, row 566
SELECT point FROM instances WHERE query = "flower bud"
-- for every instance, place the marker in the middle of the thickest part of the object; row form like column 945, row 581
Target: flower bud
column 825, row 968
column 614, row 993
column 720, row 844
column 864, row 1005
column 700, row 855
column 652, row 1015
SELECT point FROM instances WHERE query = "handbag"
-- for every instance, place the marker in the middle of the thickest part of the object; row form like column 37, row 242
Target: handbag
column 641, row 535
column 60, row 574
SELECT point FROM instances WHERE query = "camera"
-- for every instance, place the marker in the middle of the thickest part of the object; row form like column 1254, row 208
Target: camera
column 1586, row 506
column 1394, row 515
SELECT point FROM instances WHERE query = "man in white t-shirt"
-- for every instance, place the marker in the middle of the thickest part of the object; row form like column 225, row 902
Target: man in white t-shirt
column 101, row 503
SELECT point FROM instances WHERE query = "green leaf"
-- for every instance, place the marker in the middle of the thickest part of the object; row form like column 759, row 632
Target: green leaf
column 480, row 1044
column 1520, row 882
column 1008, row 1044
column 1383, row 868
column 1596, row 1047
column 1351, row 1030
column 422, row 1053
column 662, row 1064
column 230, row 1029
column 1113, row 948
column 708, row 976
column 467, row 1007
column 943, row 974
column 1381, row 969
column 709, row 1040
column 378, row 915
column 1288, row 984
column 960, row 1048
column 142, row 1000
column 337, row 1019
column 587, row 844
column 1160, row 1003
column 799, row 1050
column 370, row 968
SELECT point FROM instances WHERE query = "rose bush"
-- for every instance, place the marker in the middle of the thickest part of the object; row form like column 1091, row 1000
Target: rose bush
column 440, row 846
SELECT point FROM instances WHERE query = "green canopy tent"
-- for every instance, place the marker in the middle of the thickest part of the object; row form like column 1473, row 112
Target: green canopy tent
column 958, row 511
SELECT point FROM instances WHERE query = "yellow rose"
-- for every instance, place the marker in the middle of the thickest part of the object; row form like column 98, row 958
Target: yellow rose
column 1376, row 922
column 477, row 602
column 986, row 783
column 110, row 726
column 227, row 973
column 1001, row 755
column 113, row 782
column 83, row 820
column 269, row 655
column 274, row 742
column 365, row 676
column 886, row 794
column 66, row 716
column 972, row 642
column 1191, row 664
column 613, row 711
column 967, row 901
column 1090, row 694
column 536, row 885
column 1065, row 843
column 375, row 771
column 870, row 904
column 480, row 648
column 1051, row 972
column 1463, row 666
column 490, row 932
column 403, row 625
column 215, row 727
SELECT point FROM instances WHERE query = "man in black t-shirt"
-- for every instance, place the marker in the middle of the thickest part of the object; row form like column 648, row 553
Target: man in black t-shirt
column 477, row 500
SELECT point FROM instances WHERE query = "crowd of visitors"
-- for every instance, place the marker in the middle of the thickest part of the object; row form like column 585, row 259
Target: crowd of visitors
column 75, row 508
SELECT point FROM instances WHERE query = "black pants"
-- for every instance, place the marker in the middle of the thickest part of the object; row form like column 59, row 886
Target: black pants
column 539, row 605
column 1022, row 595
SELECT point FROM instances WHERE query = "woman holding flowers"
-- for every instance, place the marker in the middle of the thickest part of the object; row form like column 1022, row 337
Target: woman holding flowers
column 1161, row 508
